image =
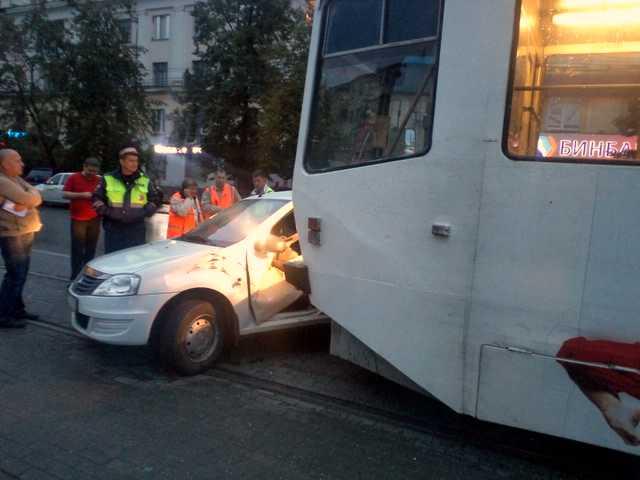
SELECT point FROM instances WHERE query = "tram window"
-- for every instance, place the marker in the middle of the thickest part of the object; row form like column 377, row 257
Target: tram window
column 575, row 82
column 342, row 16
column 376, row 103
column 409, row 19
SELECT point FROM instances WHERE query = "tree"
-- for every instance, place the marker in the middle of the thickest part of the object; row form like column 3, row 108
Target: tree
column 280, row 116
column 241, row 46
column 108, row 107
column 33, row 86
column 56, row 83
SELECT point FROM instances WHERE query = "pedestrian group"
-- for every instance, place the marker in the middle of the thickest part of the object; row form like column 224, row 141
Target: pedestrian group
column 121, row 200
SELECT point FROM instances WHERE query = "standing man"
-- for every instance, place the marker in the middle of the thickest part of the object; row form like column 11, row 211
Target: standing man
column 124, row 198
column 19, row 222
column 85, row 222
column 260, row 186
column 219, row 195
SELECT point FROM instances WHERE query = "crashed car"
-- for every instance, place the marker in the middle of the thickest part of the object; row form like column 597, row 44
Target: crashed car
column 190, row 297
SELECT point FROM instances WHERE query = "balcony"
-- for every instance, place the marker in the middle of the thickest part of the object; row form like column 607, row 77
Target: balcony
column 163, row 80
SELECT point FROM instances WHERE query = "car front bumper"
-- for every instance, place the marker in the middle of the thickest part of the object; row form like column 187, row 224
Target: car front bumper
column 116, row 320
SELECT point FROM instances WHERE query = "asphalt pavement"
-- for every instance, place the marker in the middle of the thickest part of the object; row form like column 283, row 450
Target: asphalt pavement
column 52, row 245
column 278, row 406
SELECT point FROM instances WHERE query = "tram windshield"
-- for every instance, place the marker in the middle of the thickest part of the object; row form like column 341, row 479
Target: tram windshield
column 375, row 88
column 576, row 81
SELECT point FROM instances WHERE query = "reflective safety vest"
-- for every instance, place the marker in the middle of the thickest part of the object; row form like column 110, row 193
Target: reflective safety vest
column 179, row 225
column 116, row 191
column 266, row 189
column 223, row 201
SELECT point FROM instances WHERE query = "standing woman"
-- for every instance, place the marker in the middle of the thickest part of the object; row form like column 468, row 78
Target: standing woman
column 185, row 213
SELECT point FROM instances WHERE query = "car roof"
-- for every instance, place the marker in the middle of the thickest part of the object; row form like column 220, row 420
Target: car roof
column 284, row 195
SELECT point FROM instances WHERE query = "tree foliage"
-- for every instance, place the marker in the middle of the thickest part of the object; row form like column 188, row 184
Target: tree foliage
column 279, row 118
column 243, row 99
column 74, row 85
column 108, row 107
column 32, row 79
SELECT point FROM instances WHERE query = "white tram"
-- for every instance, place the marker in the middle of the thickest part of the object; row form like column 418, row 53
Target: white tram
column 467, row 196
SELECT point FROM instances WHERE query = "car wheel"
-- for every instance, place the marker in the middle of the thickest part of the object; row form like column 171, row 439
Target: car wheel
column 191, row 337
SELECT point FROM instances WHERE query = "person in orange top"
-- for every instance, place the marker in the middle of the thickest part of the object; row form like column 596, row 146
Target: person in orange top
column 185, row 212
column 219, row 195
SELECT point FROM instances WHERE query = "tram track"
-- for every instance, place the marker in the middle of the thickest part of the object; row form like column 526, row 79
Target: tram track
column 572, row 458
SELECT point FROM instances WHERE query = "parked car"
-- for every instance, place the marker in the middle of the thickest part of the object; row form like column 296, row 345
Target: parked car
column 51, row 190
column 157, row 225
column 38, row 175
column 191, row 296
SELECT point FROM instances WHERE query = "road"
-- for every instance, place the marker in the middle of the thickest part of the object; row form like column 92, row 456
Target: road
column 278, row 406
column 52, row 245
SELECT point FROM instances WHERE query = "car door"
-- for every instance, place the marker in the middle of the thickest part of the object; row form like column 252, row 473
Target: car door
column 58, row 191
column 270, row 293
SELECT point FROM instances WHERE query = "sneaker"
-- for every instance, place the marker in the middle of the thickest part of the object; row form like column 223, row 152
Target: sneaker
column 24, row 315
column 10, row 322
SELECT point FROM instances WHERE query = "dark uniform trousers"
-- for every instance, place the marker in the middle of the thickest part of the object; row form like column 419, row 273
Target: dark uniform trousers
column 118, row 236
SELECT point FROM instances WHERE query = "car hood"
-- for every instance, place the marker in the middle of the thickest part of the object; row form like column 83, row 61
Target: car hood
column 135, row 259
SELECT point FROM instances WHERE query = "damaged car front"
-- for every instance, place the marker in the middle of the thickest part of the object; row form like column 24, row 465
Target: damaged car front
column 182, row 295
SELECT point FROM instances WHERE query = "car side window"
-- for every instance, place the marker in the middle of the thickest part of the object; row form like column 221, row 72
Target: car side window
column 285, row 227
column 54, row 180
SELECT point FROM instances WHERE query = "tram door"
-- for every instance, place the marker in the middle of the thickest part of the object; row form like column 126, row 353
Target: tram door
column 388, row 177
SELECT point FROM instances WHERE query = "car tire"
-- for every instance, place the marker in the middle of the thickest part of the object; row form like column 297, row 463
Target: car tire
column 190, row 337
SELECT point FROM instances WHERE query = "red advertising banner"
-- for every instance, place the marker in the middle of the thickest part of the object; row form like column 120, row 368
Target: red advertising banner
column 589, row 146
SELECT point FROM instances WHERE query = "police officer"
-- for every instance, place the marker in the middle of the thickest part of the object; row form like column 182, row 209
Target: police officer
column 124, row 198
column 260, row 185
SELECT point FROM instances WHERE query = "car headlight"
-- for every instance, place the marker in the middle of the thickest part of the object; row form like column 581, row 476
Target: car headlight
column 118, row 286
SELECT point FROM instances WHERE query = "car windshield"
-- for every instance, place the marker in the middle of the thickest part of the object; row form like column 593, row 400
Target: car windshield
column 235, row 223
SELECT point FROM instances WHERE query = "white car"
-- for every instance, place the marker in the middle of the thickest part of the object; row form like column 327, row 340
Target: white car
column 51, row 190
column 191, row 296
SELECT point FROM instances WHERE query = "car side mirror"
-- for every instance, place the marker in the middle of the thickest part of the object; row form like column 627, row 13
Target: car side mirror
column 271, row 244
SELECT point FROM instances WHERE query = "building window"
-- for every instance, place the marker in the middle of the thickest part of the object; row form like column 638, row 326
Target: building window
column 374, row 96
column 157, row 168
column 197, row 68
column 575, row 83
column 157, row 120
column 161, row 27
column 124, row 26
column 160, row 74
column 58, row 26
